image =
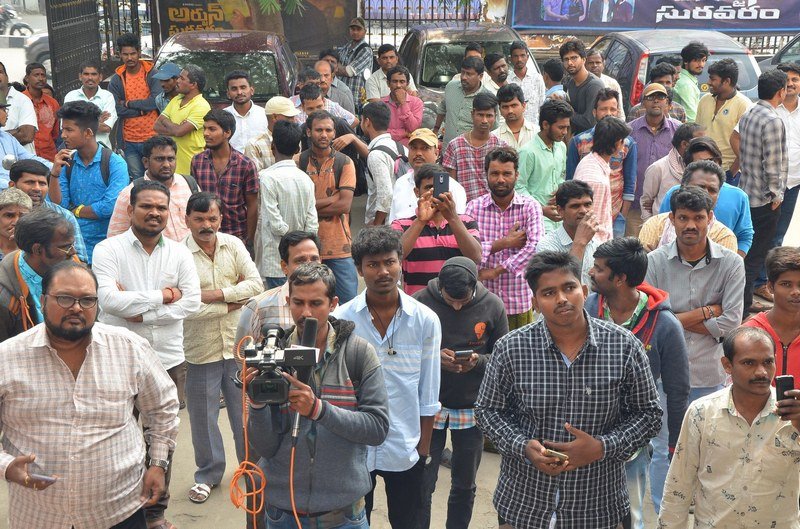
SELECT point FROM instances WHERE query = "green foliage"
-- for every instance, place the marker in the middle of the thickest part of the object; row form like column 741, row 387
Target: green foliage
column 273, row 7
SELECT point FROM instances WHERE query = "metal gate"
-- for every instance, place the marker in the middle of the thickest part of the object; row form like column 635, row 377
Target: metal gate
column 123, row 16
column 388, row 21
column 72, row 28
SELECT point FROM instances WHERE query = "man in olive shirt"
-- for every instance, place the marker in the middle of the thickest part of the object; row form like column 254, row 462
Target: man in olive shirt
column 455, row 110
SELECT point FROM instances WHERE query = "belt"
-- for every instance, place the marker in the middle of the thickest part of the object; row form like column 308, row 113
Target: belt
column 305, row 514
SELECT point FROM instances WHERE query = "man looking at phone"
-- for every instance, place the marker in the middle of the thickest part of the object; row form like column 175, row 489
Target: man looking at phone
column 738, row 450
column 436, row 233
column 573, row 384
column 473, row 319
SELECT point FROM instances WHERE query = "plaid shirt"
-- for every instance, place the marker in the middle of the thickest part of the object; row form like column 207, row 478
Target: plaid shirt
column 763, row 155
column 494, row 224
column 259, row 150
column 239, row 179
column 269, row 307
column 356, row 58
column 454, row 419
column 468, row 162
column 529, row 392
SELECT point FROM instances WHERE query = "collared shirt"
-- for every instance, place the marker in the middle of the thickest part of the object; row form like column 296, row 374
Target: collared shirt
column 468, row 162
column 122, row 261
column 763, row 154
column 791, row 122
column 541, row 171
column 412, row 373
column 595, row 171
column 716, row 280
column 80, row 245
column 456, row 107
column 248, row 126
column 269, row 307
column 47, row 131
column 34, row 282
column 659, row 178
column 560, row 241
column 405, row 118
column 259, row 150
column 338, row 92
column 719, row 124
column 287, row 204
column 742, row 475
column 237, row 180
column 533, row 87
column 650, row 146
column 377, row 87
column 86, row 187
column 404, row 201
column 556, row 90
column 623, row 166
column 179, row 194
column 658, row 231
column 676, row 112
column 193, row 143
column 529, row 392
column 10, row 145
column 356, row 59
column 434, row 246
column 104, row 100
column 494, row 224
column 526, row 134
column 380, row 179
column 162, row 101
column 83, row 429
column 612, row 83
column 335, row 109
column 687, row 92
column 21, row 112
column 208, row 334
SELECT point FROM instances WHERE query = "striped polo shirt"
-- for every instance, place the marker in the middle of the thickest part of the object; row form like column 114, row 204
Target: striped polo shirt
column 434, row 246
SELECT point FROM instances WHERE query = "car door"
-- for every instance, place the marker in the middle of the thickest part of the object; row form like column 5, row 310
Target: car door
column 619, row 65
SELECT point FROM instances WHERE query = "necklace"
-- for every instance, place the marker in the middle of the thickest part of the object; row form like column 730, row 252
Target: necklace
column 392, row 324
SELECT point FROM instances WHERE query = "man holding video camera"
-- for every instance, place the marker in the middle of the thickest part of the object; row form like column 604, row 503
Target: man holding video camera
column 342, row 408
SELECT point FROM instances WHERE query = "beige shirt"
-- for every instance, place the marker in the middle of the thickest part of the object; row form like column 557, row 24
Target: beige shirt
column 83, row 430
column 259, row 149
column 208, row 335
column 526, row 134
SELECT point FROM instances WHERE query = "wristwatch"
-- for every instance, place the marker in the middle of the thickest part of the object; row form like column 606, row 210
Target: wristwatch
column 162, row 463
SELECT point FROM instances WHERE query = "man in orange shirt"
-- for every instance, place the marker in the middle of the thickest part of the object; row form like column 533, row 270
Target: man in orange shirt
column 46, row 107
column 135, row 92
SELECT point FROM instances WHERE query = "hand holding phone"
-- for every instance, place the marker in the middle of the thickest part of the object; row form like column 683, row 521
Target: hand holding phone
column 783, row 383
column 553, row 453
column 463, row 355
column 441, row 184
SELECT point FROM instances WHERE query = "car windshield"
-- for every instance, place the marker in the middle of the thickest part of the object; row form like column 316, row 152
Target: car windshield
column 748, row 76
column 260, row 65
column 442, row 60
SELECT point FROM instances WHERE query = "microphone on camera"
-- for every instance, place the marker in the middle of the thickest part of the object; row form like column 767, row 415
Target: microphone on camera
column 308, row 339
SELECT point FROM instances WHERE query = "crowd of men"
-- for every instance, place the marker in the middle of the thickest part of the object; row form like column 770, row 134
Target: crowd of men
column 539, row 275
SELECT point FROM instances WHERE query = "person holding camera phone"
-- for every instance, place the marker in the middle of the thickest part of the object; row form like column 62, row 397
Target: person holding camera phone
column 738, row 455
column 473, row 319
column 343, row 408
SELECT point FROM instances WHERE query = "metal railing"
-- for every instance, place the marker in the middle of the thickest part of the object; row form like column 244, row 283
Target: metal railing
column 388, row 21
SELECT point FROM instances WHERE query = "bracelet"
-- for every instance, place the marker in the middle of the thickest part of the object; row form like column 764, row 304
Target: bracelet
column 78, row 210
column 171, row 295
column 711, row 312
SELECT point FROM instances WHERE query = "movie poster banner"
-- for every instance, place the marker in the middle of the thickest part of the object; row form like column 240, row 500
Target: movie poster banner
column 728, row 16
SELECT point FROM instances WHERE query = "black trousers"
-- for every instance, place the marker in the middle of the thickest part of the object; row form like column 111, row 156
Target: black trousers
column 765, row 223
column 134, row 521
column 403, row 495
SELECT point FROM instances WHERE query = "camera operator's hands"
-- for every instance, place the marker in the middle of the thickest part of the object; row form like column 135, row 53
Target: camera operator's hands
column 301, row 397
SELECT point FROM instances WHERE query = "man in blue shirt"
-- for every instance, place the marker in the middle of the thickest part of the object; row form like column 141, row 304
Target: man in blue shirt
column 407, row 336
column 77, row 181
column 10, row 145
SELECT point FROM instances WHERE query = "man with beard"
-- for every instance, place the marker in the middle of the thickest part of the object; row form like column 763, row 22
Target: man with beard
column 356, row 59
column 148, row 283
column 159, row 166
column 90, row 91
column 167, row 75
column 581, row 87
column 224, row 171
column 46, row 107
column 497, row 68
column 738, row 448
column 706, row 285
column 510, row 226
column 531, row 82
column 456, row 104
column 106, row 473
column 378, row 84
column 251, row 119
column 595, row 65
column 664, row 74
column 514, row 129
column 543, row 161
column 407, row 108
column 687, row 91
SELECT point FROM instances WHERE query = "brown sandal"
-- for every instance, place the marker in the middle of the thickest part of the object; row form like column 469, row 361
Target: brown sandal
column 763, row 292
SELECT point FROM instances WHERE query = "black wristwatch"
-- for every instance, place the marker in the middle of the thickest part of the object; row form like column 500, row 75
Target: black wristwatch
column 161, row 463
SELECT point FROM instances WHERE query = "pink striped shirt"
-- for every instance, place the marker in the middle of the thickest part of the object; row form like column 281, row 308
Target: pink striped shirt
column 596, row 172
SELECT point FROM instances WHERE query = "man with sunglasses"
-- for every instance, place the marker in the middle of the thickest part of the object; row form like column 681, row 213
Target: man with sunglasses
column 44, row 239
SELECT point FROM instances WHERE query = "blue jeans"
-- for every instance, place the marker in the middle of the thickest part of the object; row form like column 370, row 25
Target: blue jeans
column 696, row 393
column 636, row 479
column 273, row 282
column 787, row 209
column 277, row 519
column 619, row 226
column 659, row 464
column 134, row 151
column 346, row 277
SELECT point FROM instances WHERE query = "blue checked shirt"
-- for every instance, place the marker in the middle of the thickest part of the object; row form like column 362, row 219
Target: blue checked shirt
column 529, row 392
column 356, row 58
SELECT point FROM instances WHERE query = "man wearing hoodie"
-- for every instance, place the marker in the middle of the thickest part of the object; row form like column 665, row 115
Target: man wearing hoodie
column 343, row 409
column 473, row 319
column 135, row 89
column 620, row 296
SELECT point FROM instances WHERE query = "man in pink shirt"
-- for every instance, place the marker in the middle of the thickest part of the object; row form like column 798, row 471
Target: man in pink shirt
column 594, row 169
column 406, row 109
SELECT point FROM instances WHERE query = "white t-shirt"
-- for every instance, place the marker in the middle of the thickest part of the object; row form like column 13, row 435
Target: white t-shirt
column 21, row 112
column 248, row 126
column 404, row 201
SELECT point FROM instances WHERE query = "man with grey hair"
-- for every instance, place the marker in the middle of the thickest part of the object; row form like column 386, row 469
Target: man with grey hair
column 13, row 205
column 738, row 452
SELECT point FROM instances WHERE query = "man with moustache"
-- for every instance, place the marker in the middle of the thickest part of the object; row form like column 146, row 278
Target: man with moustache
column 91, row 91
column 596, row 66
column 377, row 85
column 687, row 89
column 456, row 106
column 148, row 284
column 251, row 119
column 497, row 68
column 341, row 96
column 9, row 146
column 159, row 155
column 706, row 285
column 167, row 76
column 581, row 87
column 46, row 107
column 103, row 475
column 531, row 81
column 515, row 130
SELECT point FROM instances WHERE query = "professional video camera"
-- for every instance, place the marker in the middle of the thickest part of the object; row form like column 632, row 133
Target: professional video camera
column 272, row 358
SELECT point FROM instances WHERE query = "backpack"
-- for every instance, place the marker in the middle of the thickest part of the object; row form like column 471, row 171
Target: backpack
column 375, row 64
column 193, row 187
column 339, row 161
column 401, row 165
column 105, row 165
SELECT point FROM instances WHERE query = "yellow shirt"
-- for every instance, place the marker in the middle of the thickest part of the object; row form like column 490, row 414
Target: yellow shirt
column 652, row 232
column 194, row 111
column 719, row 126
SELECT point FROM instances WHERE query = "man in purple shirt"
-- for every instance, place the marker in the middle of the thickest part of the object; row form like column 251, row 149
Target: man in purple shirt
column 653, row 135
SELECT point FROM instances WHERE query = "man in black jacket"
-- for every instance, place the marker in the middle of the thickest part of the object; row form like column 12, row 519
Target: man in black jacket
column 472, row 319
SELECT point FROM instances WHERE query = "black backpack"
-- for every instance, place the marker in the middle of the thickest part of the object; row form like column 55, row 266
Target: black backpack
column 105, row 165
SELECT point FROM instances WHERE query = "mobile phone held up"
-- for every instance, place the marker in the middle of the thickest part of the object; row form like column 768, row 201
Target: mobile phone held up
column 441, row 184
column 783, row 383
column 463, row 355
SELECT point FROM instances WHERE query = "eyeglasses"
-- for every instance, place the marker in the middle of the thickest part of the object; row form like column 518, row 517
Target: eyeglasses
column 69, row 250
column 655, row 97
column 66, row 302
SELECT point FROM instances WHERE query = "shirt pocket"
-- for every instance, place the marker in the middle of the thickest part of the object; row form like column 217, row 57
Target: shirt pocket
column 594, row 405
column 168, row 279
